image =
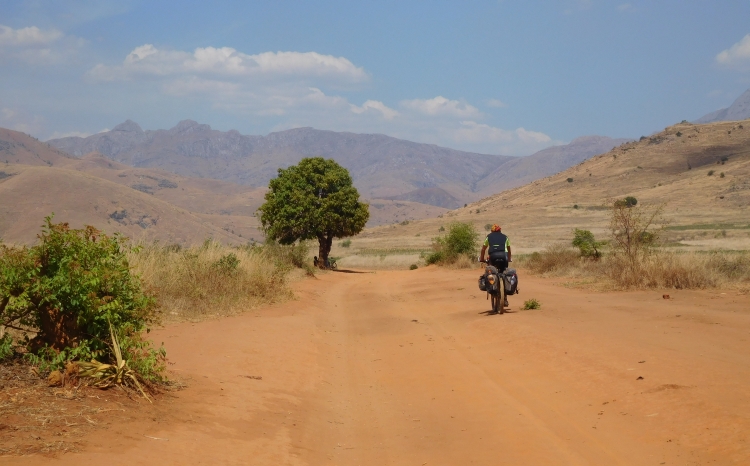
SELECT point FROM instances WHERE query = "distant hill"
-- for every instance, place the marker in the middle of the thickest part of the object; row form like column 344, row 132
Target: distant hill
column 739, row 110
column 16, row 147
column 522, row 170
column 700, row 173
column 142, row 203
column 382, row 167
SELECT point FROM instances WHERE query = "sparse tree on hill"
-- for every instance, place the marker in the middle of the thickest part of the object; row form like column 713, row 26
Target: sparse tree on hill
column 314, row 199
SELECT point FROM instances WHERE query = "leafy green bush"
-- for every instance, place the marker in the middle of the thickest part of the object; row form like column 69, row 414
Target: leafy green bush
column 68, row 289
column 461, row 240
column 346, row 243
column 227, row 264
column 531, row 304
column 628, row 202
column 413, row 267
column 586, row 243
column 6, row 347
column 710, row 173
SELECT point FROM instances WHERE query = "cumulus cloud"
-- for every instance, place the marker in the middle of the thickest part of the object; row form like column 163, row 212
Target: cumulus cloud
column 37, row 46
column 387, row 112
column 28, row 36
column 226, row 62
column 736, row 55
column 282, row 90
column 440, row 106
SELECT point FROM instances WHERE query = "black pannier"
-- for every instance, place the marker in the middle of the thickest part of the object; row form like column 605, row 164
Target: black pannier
column 482, row 283
column 511, row 282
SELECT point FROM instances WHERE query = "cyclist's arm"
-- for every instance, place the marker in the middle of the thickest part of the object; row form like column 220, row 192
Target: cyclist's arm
column 481, row 254
column 507, row 247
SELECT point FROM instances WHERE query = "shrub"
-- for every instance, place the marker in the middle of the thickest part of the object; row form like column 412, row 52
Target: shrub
column 629, row 201
column 79, row 283
column 721, row 175
column 570, row 180
column 442, row 228
column 413, row 267
column 710, row 173
column 575, row 206
column 678, row 134
column 461, row 240
column 531, row 304
column 487, row 226
column 586, row 243
column 346, row 243
column 6, row 347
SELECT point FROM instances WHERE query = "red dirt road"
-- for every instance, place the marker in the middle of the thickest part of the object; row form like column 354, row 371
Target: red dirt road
column 405, row 368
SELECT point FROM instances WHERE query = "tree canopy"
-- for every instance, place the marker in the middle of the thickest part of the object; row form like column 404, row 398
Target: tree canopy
column 314, row 199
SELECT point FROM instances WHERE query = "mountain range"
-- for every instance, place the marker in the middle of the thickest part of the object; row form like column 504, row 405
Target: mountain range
column 739, row 110
column 382, row 167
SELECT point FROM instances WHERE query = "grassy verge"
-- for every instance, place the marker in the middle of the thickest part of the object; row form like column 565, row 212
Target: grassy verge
column 213, row 279
column 659, row 269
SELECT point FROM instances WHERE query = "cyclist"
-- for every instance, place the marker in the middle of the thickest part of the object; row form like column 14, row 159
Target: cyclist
column 498, row 246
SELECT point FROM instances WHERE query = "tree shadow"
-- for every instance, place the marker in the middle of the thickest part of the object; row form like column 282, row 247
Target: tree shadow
column 349, row 271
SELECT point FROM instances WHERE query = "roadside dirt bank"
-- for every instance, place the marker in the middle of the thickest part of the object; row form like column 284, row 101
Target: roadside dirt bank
column 406, row 368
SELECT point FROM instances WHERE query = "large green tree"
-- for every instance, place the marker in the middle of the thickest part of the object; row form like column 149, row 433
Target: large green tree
column 314, row 199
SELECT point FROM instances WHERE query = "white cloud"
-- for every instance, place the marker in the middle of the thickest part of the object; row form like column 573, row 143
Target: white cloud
column 494, row 103
column 387, row 112
column 737, row 54
column 28, row 36
column 37, row 46
column 440, row 106
column 19, row 120
column 226, row 62
column 282, row 90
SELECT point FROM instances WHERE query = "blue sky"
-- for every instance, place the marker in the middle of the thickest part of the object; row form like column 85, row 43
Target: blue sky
column 501, row 77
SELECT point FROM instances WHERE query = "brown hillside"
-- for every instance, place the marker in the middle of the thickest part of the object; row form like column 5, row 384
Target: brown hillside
column 16, row 147
column 30, row 193
column 670, row 168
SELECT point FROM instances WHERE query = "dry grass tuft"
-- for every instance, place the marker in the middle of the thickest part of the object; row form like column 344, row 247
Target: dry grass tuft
column 659, row 269
column 211, row 279
column 35, row 418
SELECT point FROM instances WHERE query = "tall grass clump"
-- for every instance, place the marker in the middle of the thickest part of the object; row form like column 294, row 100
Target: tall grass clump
column 456, row 248
column 214, row 279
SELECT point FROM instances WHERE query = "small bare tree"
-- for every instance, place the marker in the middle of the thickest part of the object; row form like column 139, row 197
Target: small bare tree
column 634, row 231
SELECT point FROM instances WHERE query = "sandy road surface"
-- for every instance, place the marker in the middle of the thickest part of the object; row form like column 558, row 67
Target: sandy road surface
column 404, row 368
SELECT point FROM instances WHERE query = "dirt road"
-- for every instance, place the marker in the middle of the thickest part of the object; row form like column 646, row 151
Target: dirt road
column 406, row 368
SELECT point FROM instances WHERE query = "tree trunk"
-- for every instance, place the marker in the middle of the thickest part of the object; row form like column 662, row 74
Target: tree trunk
column 324, row 248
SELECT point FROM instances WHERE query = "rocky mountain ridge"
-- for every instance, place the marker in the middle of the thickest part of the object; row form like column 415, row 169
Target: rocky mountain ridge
column 382, row 167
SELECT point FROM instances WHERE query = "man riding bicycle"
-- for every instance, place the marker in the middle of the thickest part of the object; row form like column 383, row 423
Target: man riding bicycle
column 498, row 245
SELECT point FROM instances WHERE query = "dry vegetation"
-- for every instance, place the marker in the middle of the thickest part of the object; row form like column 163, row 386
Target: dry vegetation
column 657, row 269
column 214, row 279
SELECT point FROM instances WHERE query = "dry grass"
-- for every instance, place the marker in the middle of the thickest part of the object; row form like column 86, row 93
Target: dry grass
column 659, row 269
column 35, row 418
column 211, row 279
